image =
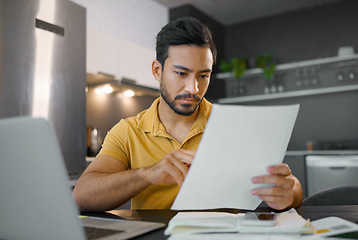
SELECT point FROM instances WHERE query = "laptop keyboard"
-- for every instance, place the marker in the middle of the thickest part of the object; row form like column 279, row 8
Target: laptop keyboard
column 95, row 233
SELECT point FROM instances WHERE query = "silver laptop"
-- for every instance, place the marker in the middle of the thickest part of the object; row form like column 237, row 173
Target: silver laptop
column 35, row 194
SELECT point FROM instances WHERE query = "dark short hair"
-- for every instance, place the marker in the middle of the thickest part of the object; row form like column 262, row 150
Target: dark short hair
column 186, row 30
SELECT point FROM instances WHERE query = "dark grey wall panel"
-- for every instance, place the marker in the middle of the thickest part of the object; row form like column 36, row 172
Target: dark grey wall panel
column 296, row 36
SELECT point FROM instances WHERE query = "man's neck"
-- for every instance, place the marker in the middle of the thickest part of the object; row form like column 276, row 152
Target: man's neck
column 178, row 126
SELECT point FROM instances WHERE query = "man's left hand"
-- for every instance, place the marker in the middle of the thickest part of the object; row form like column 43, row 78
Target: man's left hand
column 286, row 192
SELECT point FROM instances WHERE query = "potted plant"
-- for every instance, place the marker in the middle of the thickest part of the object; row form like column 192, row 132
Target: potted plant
column 236, row 65
column 266, row 63
column 268, row 66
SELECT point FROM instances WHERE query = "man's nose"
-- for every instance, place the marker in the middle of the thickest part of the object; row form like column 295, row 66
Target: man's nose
column 192, row 85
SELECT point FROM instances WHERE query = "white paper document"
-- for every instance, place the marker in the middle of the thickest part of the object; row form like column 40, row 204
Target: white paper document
column 335, row 226
column 239, row 142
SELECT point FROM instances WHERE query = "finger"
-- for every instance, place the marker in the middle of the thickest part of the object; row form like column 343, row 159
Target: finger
column 279, row 199
column 167, row 171
column 278, row 180
column 277, row 202
column 282, row 169
column 177, row 169
column 180, row 165
column 271, row 191
column 175, row 174
column 172, row 168
column 189, row 152
column 185, row 156
column 171, row 175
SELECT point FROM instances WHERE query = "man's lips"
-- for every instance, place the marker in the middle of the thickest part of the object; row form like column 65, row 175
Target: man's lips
column 188, row 100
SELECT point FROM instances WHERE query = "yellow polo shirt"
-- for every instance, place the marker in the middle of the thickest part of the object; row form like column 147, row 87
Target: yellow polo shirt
column 142, row 141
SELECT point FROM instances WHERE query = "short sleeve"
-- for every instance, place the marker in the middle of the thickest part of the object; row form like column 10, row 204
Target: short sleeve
column 114, row 144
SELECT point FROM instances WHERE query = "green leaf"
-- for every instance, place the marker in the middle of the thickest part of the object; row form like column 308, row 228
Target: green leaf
column 236, row 65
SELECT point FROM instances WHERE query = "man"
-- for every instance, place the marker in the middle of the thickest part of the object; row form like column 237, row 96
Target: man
column 146, row 158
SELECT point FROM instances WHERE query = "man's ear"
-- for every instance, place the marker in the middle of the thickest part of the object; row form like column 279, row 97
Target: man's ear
column 157, row 70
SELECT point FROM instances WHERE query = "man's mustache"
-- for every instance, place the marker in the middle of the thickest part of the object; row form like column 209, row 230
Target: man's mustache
column 187, row 95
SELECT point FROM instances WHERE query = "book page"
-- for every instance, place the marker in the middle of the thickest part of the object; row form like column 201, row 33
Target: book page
column 239, row 142
column 199, row 222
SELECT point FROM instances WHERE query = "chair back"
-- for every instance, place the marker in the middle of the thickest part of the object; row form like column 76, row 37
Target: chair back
column 345, row 195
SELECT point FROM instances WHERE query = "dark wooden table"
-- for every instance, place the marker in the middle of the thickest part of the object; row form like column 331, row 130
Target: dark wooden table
column 163, row 216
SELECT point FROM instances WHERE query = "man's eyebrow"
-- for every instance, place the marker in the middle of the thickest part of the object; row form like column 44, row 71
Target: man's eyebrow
column 189, row 70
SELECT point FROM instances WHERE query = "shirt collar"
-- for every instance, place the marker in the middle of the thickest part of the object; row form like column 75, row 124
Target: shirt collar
column 149, row 120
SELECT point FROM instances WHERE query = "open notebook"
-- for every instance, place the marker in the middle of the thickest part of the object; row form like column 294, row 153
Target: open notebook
column 35, row 195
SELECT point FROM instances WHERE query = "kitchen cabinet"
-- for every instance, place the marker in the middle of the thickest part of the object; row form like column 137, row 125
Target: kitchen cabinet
column 341, row 169
column 135, row 63
column 330, row 81
column 297, row 162
column 120, row 58
column 102, row 52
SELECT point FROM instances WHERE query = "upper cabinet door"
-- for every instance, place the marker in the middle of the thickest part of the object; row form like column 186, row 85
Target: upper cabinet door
column 135, row 63
column 121, row 58
column 102, row 52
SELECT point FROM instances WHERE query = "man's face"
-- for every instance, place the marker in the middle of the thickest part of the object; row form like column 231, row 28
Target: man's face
column 186, row 77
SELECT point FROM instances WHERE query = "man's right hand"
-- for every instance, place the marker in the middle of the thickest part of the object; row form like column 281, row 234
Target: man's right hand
column 172, row 168
column 107, row 184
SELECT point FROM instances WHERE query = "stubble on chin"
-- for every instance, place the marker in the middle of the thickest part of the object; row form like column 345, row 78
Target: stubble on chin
column 180, row 109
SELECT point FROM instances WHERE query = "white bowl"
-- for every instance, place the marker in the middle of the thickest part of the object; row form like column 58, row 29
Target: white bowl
column 345, row 51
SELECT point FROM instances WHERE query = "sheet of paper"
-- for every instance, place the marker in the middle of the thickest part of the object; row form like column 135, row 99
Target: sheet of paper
column 329, row 226
column 239, row 142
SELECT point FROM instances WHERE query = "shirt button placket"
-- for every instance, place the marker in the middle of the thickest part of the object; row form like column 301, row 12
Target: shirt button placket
column 174, row 143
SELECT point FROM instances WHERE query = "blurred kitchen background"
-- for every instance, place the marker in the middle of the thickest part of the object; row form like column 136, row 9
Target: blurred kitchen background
column 86, row 64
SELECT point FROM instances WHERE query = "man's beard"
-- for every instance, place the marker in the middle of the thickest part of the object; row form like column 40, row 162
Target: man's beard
column 187, row 111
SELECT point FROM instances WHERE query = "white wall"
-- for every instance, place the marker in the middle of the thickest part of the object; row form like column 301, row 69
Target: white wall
column 121, row 37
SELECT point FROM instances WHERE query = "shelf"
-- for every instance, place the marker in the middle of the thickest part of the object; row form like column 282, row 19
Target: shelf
column 320, row 152
column 290, row 94
column 288, row 66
